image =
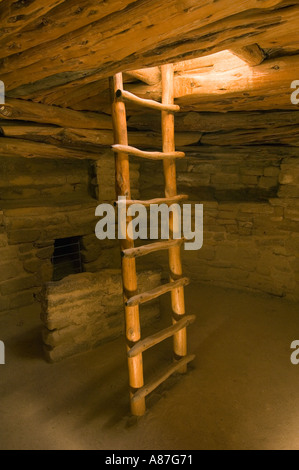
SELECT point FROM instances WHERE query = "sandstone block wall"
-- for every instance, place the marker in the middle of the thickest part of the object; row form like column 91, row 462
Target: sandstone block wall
column 18, row 287
column 250, row 246
column 251, row 215
column 28, row 237
column 40, row 182
column 81, row 311
column 43, row 200
column 103, row 182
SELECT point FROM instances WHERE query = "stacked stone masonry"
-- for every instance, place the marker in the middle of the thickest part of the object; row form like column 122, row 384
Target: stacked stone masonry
column 84, row 310
column 251, row 216
column 28, row 244
column 45, row 200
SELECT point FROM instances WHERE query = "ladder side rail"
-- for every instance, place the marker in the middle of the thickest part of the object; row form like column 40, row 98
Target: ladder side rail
column 129, row 275
column 175, row 263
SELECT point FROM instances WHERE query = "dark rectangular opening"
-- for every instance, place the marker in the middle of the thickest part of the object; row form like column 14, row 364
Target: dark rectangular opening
column 67, row 258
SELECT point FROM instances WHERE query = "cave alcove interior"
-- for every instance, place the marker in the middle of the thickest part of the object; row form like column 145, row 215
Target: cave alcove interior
column 235, row 70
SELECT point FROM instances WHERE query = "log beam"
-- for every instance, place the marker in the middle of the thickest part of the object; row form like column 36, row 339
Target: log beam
column 35, row 112
column 16, row 15
column 265, row 86
column 26, row 149
column 253, row 55
column 232, row 128
column 150, row 76
column 53, row 18
column 91, row 140
column 211, row 27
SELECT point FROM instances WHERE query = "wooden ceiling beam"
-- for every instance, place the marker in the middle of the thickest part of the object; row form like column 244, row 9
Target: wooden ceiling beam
column 71, row 93
column 150, row 76
column 27, row 111
column 253, row 55
column 48, row 20
column 219, row 122
column 28, row 149
column 265, row 86
column 88, row 140
column 233, row 128
column 110, row 45
column 16, row 15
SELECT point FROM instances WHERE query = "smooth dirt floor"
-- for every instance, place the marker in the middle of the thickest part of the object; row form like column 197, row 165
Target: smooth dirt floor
column 241, row 392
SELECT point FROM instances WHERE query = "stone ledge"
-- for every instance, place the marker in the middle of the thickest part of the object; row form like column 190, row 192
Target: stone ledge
column 83, row 310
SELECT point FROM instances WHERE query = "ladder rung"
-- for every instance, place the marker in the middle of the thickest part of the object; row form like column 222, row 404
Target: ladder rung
column 157, row 292
column 151, row 248
column 159, row 379
column 148, row 203
column 151, row 341
column 149, row 155
column 146, row 103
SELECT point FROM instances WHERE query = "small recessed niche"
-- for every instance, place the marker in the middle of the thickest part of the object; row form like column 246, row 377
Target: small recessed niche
column 67, row 257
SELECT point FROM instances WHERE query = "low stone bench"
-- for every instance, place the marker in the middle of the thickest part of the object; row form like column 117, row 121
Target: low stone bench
column 84, row 310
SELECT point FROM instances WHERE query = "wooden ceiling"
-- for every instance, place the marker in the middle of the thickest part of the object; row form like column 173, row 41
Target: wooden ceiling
column 61, row 52
column 230, row 57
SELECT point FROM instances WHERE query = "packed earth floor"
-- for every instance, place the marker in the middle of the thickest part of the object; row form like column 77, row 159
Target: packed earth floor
column 241, row 392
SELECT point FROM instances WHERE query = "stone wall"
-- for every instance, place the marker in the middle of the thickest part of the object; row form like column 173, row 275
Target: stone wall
column 104, row 177
column 82, row 311
column 251, row 246
column 17, row 286
column 224, row 173
column 251, row 222
column 251, row 215
column 29, row 236
column 43, row 200
column 40, row 182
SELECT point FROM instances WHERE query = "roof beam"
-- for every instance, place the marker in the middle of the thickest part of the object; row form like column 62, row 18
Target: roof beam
column 253, row 55
column 52, row 19
column 86, row 140
column 150, row 76
column 27, row 111
column 111, row 46
column 16, row 15
column 28, row 149
column 263, row 87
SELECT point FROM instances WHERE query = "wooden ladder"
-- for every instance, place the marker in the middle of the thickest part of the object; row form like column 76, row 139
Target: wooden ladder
column 135, row 345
